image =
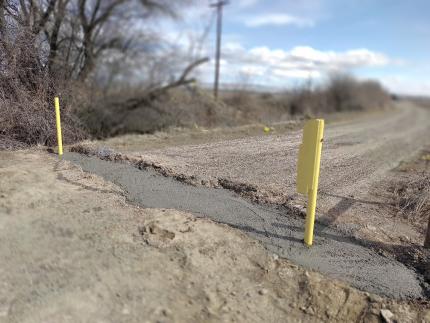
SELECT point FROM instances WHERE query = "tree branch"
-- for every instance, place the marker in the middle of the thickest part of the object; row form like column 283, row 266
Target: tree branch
column 134, row 103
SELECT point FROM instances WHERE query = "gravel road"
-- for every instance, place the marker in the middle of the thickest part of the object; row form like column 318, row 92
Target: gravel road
column 356, row 154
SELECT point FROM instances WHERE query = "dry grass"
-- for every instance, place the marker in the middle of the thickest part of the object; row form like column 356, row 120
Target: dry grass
column 191, row 106
column 340, row 93
column 186, row 107
column 254, row 107
column 412, row 198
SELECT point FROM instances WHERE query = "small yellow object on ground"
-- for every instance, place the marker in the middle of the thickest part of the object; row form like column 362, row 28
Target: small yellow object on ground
column 267, row 129
column 58, row 119
column 426, row 157
column 308, row 169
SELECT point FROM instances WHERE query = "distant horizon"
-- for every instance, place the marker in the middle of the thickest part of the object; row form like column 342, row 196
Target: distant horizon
column 260, row 88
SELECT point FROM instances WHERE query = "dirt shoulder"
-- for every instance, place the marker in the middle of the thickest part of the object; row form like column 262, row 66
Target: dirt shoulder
column 406, row 195
column 73, row 250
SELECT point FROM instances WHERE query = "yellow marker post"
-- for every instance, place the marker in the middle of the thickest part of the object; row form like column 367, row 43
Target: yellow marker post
column 58, row 119
column 308, row 170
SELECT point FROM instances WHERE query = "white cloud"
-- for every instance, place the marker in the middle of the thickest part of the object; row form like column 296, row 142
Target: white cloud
column 406, row 85
column 268, row 55
column 277, row 67
column 247, row 3
column 304, row 58
column 264, row 65
column 253, row 70
column 339, row 60
column 233, row 47
column 277, row 20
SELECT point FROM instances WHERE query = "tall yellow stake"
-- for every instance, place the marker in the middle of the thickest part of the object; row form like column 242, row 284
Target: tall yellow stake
column 58, row 119
column 308, row 170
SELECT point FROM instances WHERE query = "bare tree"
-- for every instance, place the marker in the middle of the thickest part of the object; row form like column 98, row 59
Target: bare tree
column 46, row 46
column 72, row 35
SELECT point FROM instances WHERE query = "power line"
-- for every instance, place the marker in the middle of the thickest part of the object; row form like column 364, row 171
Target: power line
column 219, row 6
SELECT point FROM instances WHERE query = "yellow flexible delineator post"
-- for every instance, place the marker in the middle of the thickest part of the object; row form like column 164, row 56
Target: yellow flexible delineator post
column 310, row 217
column 58, row 119
column 308, row 170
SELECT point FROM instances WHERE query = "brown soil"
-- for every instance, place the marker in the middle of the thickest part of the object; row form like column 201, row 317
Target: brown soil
column 403, row 188
column 73, row 250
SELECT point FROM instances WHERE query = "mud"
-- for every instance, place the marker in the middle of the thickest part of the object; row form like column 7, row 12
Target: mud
column 333, row 254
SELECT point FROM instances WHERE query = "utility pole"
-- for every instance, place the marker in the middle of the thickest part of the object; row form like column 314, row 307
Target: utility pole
column 218, row 5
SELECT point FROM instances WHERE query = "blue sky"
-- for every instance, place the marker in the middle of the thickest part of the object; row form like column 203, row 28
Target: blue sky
column 281, row 43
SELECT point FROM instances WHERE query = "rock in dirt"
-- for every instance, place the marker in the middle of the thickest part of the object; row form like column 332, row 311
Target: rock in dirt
column 387, row 316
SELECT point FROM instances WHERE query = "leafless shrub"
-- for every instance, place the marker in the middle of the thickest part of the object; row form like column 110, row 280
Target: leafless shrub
column 255, row 107
column 305, row 101
column 244, row 101
column 196, row 106
column 345, row 93
column 26, row 98
column 341, row 93
column 53, row 47
column 179, row 107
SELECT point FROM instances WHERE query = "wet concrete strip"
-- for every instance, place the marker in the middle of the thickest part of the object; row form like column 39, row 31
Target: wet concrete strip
column 333, row 253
